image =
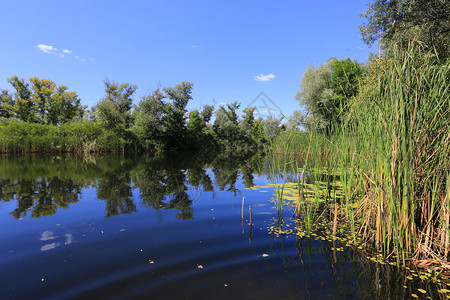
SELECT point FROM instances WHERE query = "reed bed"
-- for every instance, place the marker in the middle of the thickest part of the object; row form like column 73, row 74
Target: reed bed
column 391, row 157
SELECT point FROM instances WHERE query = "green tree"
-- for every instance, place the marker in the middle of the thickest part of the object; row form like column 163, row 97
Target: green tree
column 6, row 105
column 148, row 114
column 174, row 115
column 161, row 117
column 247, row 125
column 390, row 21
column 114, row 111
column 258, row 131
column 64, row 106
column 271, row 127
column 195, row 124
column 226, row 124
column 207, row 113
column 54, row 104
column 23, row 102
column 43, row 89
column 326, row 91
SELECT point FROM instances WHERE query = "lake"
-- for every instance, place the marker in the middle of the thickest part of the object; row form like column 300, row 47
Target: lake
column 168, row 227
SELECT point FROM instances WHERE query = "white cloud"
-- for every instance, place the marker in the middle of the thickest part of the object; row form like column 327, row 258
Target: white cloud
column 262, row 77
column 64, row 53
column 194, row 46
column 47, row 49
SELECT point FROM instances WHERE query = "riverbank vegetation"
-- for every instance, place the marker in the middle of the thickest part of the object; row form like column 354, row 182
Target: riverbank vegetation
column 383, row 152
column 40, row 117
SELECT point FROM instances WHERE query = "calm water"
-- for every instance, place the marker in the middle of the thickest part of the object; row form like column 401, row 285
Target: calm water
column 164, row 228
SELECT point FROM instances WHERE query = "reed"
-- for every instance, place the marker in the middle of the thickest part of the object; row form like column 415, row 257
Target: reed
column 392, row 157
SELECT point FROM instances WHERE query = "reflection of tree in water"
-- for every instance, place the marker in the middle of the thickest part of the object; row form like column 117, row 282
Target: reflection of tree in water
column 163, row 181
column 42, row 196
column 164, row 188
column 115, row 189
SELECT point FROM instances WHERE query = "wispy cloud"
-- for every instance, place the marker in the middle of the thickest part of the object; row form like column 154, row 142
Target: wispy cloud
column 64, row 53
column 194, row 47
column 359, row 48
column 47, row 48
column 263, row 77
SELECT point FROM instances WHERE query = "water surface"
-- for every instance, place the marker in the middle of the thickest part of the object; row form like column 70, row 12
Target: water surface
column 167, row 227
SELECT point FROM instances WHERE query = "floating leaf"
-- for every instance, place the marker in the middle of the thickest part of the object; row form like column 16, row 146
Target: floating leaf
column 200, row 266
column 415, row 296
column 151, row 262
column 265, row 255
column 443, row 291
column 422, row 291
column 410, row 277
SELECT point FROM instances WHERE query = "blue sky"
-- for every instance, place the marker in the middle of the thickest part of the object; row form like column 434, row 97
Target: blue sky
column 230, row 50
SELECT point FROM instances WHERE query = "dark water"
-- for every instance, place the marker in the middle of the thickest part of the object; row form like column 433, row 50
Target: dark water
column 165, row 228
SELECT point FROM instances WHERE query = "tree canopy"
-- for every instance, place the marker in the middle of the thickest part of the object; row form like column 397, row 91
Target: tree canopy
column 325, row 91
column 390, row 21
column 43, row 103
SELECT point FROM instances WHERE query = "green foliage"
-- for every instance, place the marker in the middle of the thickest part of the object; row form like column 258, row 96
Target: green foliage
column 160, row 118
column 226, row 125
column 55, row 105
column 24, row 106
column 271, row 127
column 248, row 119
column 391, row 158
column 326, row 91
column 258, row 132
column 393, row 21
column 175, row 133
column 195, row 124
column 45, row 103
column 6, row 105
column 207, row 113
column 114, row 111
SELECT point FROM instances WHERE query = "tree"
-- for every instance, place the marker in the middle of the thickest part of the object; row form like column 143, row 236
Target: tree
column 195, row 124
column 160, row 117
column 390, row 21
column 226, row 124
column 55, row 105
column 271, row 127
column 148, row 114
column 6, row 105
column 207, row 113
column 174, row 115
column 325, row 93
column 23, row 102
column 114, row 111
column 247, row 125
column 64, row 106
column 43, row 89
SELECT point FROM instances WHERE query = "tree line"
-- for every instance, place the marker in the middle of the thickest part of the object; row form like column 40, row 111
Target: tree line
column 41, row 116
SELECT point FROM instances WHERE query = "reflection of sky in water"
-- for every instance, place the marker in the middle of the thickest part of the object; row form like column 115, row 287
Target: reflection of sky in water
column 49, row 246
column 48, row 235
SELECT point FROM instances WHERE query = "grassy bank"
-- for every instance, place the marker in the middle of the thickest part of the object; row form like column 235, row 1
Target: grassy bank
column 24, row 137
column 391, row 158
